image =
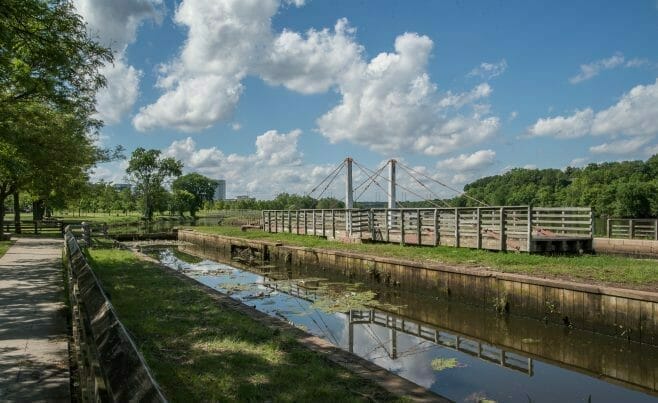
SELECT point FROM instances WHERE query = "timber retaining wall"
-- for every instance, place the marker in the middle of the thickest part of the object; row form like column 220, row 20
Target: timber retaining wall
column 630, row 314
column 109, row 364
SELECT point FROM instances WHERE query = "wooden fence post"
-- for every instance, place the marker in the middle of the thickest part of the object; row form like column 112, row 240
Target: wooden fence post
column 529, row 229
column 333, row 223
column 478, row 227
column 419, row 225
column 608, row 228
column 313, row 218
column 503, row 241
column 402, row 227
column 289, row 222
column 631, row 228
column 457, row 228
column 436, row 227
column 322, row 217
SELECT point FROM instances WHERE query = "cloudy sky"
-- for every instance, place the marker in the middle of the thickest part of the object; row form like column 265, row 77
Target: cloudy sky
column 272, row 94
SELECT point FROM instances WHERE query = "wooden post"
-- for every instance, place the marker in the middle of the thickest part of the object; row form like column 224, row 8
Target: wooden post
column 436, row 227
column 333, row 223
column 529, row 229
column 305, row 232
column 631, row 228
column 289, row 222
column 402, row 227
column 503, row 241
column 276, row 221
column 386, row 225
column 371, row 224
column 608, row 228
column 655, row 229
column 419, row 226
column 456, row 227
column 297, row 221
column 322, row 217
column 478, row 228
column 313, row 218
column 262, row 216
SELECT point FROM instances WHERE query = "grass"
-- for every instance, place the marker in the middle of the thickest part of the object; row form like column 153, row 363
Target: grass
column 200, row 351
column 611, row 270
column 4, row 246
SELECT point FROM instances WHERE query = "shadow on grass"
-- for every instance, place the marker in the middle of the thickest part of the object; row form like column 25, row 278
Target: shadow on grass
column 200, row 350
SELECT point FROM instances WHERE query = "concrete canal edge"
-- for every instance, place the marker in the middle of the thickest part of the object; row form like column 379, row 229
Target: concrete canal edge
column 618, row 312
column 629, row 247
column 388, row 381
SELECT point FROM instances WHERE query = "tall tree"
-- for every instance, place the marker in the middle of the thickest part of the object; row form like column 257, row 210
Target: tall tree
column 49, row 75
column 200, row 187
column 148, row 171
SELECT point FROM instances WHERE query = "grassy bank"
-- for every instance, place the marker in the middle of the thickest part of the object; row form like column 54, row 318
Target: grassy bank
column 4, row 246
column 611, row 270
column 200, row 351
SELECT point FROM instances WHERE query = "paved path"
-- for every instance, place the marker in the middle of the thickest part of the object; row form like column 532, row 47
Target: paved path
column 33, row 337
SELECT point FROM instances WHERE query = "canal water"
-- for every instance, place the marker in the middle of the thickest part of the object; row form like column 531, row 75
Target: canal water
column 458, row 351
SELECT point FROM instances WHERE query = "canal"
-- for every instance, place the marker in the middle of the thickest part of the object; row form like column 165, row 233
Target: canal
column 455, row 350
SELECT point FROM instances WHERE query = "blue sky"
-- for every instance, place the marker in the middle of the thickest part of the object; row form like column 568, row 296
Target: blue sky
column 272, row 94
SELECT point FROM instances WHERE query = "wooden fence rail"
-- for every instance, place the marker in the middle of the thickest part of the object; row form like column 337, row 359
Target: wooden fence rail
column 519, row 228
column 632, row 228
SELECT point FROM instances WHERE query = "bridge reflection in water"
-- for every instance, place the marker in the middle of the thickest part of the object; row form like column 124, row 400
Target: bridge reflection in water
column 406, row 331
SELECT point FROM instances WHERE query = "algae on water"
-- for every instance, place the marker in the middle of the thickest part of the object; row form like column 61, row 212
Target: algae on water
column 440, row 364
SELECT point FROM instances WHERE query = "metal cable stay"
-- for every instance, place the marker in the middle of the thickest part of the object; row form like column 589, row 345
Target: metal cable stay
column 373, row 175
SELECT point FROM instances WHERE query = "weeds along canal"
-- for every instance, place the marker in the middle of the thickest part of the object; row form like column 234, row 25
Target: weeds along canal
column 459, row 351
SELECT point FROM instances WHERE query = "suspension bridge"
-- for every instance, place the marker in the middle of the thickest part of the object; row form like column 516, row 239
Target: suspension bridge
column 504, row 228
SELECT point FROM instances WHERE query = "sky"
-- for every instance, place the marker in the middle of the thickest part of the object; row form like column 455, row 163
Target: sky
column 271, row 95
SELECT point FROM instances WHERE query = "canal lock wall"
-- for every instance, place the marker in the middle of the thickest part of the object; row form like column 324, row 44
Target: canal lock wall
column 622, row 313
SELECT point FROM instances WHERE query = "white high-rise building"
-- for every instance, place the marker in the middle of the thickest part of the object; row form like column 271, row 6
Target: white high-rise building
column 220, row 190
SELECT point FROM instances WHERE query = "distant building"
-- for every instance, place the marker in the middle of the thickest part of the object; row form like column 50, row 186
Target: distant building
column 244, row 197
column 121, row 186
column 220, row 190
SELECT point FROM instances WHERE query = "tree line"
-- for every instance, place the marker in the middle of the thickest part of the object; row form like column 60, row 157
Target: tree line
column 614, row 189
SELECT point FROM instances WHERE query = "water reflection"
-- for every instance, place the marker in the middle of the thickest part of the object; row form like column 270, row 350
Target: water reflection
column 456, row 350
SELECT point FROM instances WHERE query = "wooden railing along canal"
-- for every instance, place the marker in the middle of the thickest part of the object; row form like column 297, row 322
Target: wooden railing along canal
column 514, row 228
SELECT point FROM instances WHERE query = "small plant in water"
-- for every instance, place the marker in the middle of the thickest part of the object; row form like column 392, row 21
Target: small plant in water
column 501, row 304
column 440, row 364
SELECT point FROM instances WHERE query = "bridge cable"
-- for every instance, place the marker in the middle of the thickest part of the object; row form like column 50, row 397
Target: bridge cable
column 371, row 180
column 407, row 189
column 329, row 184
column 425, row 187
column 337, row 169
column 374, row 180
column 444, row 185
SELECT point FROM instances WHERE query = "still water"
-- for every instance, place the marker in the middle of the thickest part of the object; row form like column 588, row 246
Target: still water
column 458, row 351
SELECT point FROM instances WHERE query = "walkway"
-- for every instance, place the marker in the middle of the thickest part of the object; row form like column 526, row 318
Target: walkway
column 33, row 337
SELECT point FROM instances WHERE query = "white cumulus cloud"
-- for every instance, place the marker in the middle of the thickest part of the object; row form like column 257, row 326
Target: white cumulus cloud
column 469, row 162
column 115, row 24
column 251, row 173
column 391, row 104
column 230, row 39
column 635, row 114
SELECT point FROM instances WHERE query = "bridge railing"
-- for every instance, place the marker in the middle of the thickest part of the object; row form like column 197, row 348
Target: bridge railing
column 632, row 228
column 495, row 228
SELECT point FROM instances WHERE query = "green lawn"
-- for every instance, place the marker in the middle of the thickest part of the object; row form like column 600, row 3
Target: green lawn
column 4, row 246
column 200, row 351
column 613, row 270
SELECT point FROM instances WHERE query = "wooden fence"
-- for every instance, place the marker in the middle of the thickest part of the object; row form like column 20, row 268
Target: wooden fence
column 520, row 228
column 36, row 227
column 632, row 228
